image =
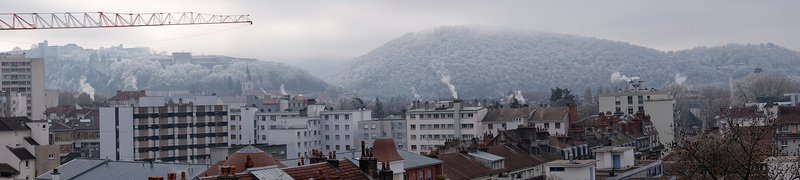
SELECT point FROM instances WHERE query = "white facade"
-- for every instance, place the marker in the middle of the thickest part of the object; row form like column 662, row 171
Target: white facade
column 15, row 105
column 26, row 76
column 301, row 132
column 659, row 105
column 46, row 156
column 613, row 158
column 389, row 128
column 429, row 127
column 574, row 170
column 116, row 133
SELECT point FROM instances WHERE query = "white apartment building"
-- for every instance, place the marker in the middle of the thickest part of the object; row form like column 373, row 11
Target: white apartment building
column 394, row 128
column 25, row 147
column 301, row 131
column 14, row 105
column 658, row 104
column 153, row 130
column 571, row 169
column 25, row 76
column 430, row 125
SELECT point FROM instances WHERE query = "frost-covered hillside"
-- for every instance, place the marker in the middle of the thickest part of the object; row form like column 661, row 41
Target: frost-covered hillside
column 483, row 63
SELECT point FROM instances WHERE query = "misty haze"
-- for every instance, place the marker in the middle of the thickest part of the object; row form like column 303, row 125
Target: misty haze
column 399, row 90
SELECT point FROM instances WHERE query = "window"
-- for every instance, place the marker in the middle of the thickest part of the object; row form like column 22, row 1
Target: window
column 413, row 137
column 785, row 128
column 327, row 127
column 546, row 125
column 337, row 147
column 630, row 99
column 336, row 127
column 366, row 136
column 373, row 125
column 327, row 137
column 366, row 126
column 263, row 137
column 648, row 98
column 233, row 127
column 51, row 156
column 399, row 135
column 641, row 109
column 467, row 126
column 327, row 117
column 328, row 147
column 298, row 134
column 337, row 118
column 337, row 137
column 347, row 138
column 346, row 117
column 617, row 109
column 556, row 169
column 273, row 118
column 413, row 147
column 641, row 99
column 413, row 127
column 233, row 136
column 374, row 136
column 784, row 143
column 262, row 127
column 346, row 147
column 346, row 127
column 491, row 126
column 413, row 116
column 630, row 110
column 558, row 125
column 616, row 100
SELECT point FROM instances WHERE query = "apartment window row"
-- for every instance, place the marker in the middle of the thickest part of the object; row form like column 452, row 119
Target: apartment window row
column 435, row 126
column 182, row 125
column 181, row 147
column 17, row 70
column 370, row 126
column 16, row 82
column 434, row 136
column 183, row 136
column 183, row 114
column 439, row 116
column 336, row 117
column 15, row 77
column 367, row 136
column 15, row 64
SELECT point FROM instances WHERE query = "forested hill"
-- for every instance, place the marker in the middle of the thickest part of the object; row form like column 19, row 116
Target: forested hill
column 483, row 63
column 107, row 70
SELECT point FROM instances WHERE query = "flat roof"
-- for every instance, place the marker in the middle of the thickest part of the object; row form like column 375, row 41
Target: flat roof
column 615, row 149
column 487, row 156
column 572, row 163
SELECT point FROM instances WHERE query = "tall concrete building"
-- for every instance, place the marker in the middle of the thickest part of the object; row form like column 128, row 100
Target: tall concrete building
column 169, row 132
column 658, row 104
column 25, row 76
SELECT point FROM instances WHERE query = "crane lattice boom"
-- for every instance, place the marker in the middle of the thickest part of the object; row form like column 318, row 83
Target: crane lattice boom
column 21, row 21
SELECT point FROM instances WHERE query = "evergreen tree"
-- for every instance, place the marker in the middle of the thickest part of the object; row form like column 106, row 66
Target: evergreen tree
column 514, row 103
column 561, row 97
column 378, row 111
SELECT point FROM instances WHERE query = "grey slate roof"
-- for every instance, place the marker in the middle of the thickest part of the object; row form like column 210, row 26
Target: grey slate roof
column 413, row 160
column 487, row 156
column 31, row 141
column 102, row 169
column 21, row 153
column 249, row 149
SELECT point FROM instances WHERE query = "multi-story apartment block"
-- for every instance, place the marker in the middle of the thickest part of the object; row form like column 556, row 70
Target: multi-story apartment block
column 394, row 128
column 429, row 126
column 658, row 104
column 787, row 136
column 315, row 127
column 25, row 76
column 169, row 132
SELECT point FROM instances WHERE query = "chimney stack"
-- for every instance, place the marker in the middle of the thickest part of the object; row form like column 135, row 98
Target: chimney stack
column 172, row 176
column 183, row 175
column 386, row 173
column 484, row 103
column 427, row 105
column 332, row 160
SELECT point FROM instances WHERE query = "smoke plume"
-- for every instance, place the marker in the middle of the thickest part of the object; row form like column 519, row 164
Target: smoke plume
column 283, row 91
column 86, row 87
column 416, row 96
column 616, row 76
column 446, row 80
column 679, row 79
column 516, row 95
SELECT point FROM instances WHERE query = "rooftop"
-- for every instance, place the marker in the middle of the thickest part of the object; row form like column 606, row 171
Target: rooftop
column 14, row 123
column 506, row 114
column 550, row 114
column 21, row 153
column 347, row 170
column 487, row 156
column 457, row 166
column 613, row 150
column 102, row 169
column 414, row 160
column 385, row 150
column 572, row 163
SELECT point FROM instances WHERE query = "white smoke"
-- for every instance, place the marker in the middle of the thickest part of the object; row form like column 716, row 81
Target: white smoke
column 616, row 76
column 87, row 88
column 283, row 91
column 516, row 95
column 446, row 80
column 130, row 83
column 416, row 96
column 679, row 79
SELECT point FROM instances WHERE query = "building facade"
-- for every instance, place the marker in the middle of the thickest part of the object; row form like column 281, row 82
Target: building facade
column 430, row 125
column 154, row 131
column 25, row 76
column 658, row 104
column 26, row 150
column 383, row 128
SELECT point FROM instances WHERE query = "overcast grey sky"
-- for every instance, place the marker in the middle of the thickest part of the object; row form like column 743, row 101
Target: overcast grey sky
column 289, row 30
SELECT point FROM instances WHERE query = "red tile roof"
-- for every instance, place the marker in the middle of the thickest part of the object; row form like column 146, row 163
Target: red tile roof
column 515, row 157
column 239, row 159
column 456, row 166
column 127, row 95
column 384, row 150
column 347, row 170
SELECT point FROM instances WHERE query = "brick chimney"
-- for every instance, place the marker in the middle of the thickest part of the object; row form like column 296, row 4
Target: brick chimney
column 332, row 161
column 573, row 113
column 142, row 93
column 386, row 173
column 484, row 103
column 427, row 105
column 172, row 176
column 249, row 162
column 183, row 175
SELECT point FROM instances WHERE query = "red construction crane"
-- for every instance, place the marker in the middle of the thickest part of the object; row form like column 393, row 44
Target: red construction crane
column 22, row 21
